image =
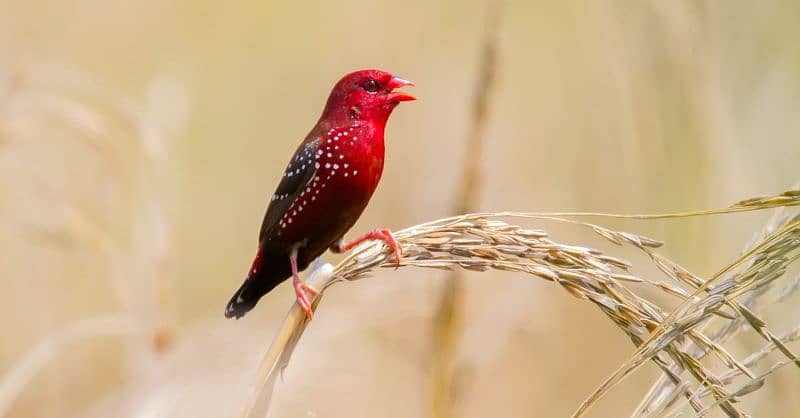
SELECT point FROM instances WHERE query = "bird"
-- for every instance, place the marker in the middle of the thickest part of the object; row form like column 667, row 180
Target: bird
column 324, row 189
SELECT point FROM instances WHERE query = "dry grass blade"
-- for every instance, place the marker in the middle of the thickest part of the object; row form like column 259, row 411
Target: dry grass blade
column 755, row 382
column 277, row 357
column 785, row 199
column 482, row 241
column 660, row 395
column 447, row 325
column 685, row 316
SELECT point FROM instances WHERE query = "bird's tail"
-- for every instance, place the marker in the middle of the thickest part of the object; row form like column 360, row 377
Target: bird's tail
column 244, row 299
column 262, row 277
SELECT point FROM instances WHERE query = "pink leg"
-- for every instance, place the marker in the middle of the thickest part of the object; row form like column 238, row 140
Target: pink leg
column 382, row 234
column 300, row 287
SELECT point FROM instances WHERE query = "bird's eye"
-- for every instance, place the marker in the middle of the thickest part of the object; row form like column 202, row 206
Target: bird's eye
column 372, row 86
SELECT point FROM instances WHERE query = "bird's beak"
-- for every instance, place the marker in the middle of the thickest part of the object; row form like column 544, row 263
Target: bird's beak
column 396, row 83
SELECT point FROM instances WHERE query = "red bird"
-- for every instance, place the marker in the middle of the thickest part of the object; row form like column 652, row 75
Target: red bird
column 327, row 184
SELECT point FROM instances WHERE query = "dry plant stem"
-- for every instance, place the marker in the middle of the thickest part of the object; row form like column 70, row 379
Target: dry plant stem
column 277, row 357
column 471, row 185
column 448, row 323
column 785, row 199
column 480, row 242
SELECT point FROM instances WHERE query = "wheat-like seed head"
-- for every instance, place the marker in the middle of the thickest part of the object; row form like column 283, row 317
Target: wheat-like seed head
column 672, row 340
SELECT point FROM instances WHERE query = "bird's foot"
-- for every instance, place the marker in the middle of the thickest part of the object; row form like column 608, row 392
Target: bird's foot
column 381, row 234
column 397, row 250
column 301, row 291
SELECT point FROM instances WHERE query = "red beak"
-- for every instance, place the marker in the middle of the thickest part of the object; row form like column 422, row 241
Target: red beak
column 395, row 83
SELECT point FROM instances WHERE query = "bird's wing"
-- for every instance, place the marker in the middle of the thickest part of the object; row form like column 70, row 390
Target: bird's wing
column 298, row 174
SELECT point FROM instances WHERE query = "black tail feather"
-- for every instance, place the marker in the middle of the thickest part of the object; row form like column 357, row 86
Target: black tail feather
column 246, row 298
column 268, row 271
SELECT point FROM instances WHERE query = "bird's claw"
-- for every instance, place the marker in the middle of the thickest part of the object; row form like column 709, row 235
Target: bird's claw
column 300, row 289
column 310, row 289
column 394, row 246
column 382, row 234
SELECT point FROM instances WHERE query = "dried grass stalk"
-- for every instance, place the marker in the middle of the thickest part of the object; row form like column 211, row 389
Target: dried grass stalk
column 756, row 268
column 720, row 330
column 448, row 324
column 480, row 242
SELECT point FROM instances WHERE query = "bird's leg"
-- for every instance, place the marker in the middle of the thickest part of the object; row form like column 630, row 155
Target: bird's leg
column 381, row 234
column 301, row 287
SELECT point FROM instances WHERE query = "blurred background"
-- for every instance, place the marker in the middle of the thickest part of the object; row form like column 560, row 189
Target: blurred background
column 140, row 142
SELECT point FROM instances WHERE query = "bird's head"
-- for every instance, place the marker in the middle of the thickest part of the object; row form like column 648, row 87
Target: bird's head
column 366, row 95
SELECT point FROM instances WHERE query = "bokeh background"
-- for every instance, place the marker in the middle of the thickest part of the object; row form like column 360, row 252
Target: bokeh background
column 140, row 141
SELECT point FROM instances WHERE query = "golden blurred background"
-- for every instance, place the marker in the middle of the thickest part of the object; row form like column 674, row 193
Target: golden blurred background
column 140, row 141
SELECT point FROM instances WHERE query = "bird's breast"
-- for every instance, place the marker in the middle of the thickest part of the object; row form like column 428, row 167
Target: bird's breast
column 348, row 166
column 351, row 159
